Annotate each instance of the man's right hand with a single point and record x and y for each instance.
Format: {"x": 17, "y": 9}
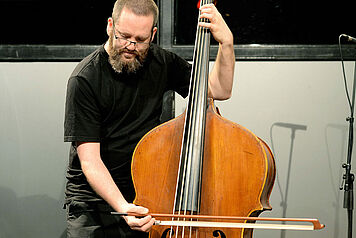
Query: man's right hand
{"x": 143, "y": 223}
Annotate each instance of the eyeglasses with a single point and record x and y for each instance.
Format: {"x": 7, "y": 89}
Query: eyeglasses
{"x": 126, "y": 42}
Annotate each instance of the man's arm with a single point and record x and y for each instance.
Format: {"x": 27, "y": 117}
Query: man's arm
{"x": 222, "y": 74}
{"x": 101, "y": 181}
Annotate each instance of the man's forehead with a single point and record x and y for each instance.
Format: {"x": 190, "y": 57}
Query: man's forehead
{"x": 128, "y": 16}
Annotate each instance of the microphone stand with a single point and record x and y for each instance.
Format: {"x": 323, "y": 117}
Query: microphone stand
{"x": 348, "y": 177}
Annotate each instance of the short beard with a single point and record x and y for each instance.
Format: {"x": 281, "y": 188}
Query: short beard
{"x": 119, "y": 65}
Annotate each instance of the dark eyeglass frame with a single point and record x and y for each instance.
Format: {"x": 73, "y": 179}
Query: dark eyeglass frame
{"x": 129, "y": 42}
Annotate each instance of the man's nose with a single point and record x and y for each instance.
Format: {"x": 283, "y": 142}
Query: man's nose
{"x": 132, "y": 45}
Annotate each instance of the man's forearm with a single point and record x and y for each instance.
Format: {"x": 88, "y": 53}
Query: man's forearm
{"x": 98, "y": 175}
{"x": 222, "y": 74}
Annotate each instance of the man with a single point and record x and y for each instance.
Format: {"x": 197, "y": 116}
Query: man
{"x": 114, "y": 97}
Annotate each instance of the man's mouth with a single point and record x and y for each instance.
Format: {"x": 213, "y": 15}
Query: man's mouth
{"x": 129, "y": 53}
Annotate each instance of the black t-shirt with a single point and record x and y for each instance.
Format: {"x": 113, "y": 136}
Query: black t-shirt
{"x": 116, "y": 110}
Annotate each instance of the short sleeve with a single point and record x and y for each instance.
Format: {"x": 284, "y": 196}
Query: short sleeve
{"x": 82, "y": 114}
{"x": 181, "y": 71}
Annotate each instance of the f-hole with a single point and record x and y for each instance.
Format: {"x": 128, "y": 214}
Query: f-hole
{"x": 167, "y": 233}
{"x": 219, "y": 233}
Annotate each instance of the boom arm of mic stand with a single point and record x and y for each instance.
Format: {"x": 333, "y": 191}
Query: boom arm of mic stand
{"x": 348, "y": 177}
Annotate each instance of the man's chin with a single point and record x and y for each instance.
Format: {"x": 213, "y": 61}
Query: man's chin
{"x": 125, "y": 65}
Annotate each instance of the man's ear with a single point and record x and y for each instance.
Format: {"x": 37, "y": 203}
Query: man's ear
{"x": 109, "y": 26}
{"x": 154, "y": 30}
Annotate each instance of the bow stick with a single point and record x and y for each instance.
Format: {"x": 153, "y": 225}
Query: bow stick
{"x": 315, "y": 222}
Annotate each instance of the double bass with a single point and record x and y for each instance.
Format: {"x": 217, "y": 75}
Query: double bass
{"x": 200, "y": 174}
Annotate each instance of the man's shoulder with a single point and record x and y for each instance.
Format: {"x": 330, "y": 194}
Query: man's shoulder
{"x": 90, "y": 64}
{"x": 162, "y": 55}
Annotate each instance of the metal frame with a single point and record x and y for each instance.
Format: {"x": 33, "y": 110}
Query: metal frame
{"x": 61, "y": 53}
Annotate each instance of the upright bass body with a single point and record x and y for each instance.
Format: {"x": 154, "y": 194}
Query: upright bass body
{"x": 237, "y": 174}
{"x": 201, "y": 163}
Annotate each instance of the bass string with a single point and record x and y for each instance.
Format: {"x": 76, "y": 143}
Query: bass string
{"x": 201, "y": 87}
{"x": 198, "y": 79}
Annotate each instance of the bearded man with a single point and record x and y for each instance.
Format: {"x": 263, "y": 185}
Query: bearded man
{"x": 114, "y": 96}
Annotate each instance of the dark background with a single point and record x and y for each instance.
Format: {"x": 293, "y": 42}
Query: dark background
{"x": 54, "y": 22}
{"x": 274, "y": 21}
{"x": 69, "y": 22}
